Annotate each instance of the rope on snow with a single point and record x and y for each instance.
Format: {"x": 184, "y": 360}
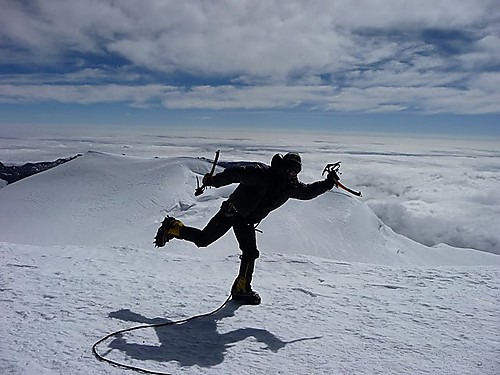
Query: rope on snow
{"x": 135, "y": 368}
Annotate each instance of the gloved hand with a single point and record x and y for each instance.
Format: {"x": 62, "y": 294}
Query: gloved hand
{"x": 208, "y": 180}
{"x": 334, "y": 177}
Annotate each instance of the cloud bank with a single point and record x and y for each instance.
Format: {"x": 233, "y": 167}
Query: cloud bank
{"x": 365, "y": 56}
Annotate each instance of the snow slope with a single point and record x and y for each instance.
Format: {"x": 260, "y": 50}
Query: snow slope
{"x": 342, "y": 293}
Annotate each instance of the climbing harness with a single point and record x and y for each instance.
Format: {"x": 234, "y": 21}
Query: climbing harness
{"x": 135, "y": 368}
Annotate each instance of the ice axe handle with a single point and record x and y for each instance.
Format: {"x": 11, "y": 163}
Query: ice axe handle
{"x": 200, "y": 189}
{"x": 342, "y": 186}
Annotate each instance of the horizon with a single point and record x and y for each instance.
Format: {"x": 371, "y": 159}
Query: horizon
{"x": 486, "y": 133}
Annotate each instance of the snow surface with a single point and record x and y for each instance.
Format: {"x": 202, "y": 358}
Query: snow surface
{"x": 342, "y": 293}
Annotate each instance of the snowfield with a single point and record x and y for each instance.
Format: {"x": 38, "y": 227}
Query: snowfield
{"x": 342, "y": 293}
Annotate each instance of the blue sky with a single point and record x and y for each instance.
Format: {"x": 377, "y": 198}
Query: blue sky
{"x": 427, "y": 66}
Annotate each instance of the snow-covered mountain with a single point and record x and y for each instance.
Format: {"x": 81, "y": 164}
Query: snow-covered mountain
{"x": 342, "y": 293}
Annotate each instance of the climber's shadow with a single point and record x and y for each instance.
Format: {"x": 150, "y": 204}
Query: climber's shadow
{"x": 196, "y": 342}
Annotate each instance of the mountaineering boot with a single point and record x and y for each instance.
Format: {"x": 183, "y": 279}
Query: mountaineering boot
{"x": 241, "y": 290}
{"x": 170, "y": 228}
{"x": 243, "y": 293}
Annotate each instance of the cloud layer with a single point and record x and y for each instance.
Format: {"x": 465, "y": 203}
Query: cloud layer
{"x": 365, "y": 56}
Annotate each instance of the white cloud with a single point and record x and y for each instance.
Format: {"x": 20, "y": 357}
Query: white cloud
{"x": 82, "y": 94}
{"x": 487, "y": 82}
{"x": 314, "y": 97}
{"x": 432, "y": 190}
{"x": 485, "y": 54}
{"x": 224, "y": 97}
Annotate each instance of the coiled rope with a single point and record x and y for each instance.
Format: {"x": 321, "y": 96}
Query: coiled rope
{"x": 135, "y": 368}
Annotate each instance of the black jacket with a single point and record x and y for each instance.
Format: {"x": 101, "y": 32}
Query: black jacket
{"x": 262, "y": 189}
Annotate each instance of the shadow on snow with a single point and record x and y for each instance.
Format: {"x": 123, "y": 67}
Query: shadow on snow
{"x": 196, "y": 342}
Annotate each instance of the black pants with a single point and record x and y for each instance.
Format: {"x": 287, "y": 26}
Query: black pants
{"x": 223, "y": 220}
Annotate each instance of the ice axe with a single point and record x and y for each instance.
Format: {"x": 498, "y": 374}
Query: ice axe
{"x": 200, "y": 189}
{"x": 335, "y": 169}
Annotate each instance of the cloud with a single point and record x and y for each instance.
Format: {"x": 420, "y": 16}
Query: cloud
{"x": 82, "y": 94}
{"x": 413, "y": 55}
{"x": 477, "y": 100}
{"x": 445, "y": 192}
{"x": 439, "y": 225}
{"x": 255, "y": 37}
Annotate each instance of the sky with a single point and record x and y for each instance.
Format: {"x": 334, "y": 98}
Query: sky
{"x": 386, "y": 65}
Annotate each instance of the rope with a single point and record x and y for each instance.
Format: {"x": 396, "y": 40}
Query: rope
{"x": 146, "y": 371}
